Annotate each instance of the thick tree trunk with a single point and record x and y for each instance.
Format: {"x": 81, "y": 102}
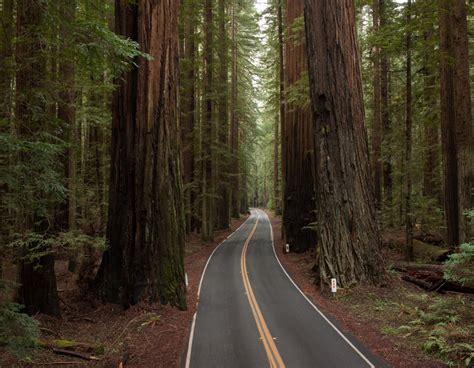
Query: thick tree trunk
{"x": 376, "y": 110}
{"x": 145, "y": 231}
{"x": 37, "y": 278}
{"x": 298, "y": 208}
{"x": 348, "y": 232}
{"x": 222, "y": 208}
{"x": 456, "y": 119}
{"x": 409, "y": 255}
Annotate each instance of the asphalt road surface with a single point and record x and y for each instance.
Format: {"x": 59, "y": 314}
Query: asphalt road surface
{"x": 251, "y": 314}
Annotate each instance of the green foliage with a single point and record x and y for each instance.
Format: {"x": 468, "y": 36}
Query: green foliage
{"x": 18, "y": 331}
{"x": 460, "y": 266}
{"x": 440, "y": 324}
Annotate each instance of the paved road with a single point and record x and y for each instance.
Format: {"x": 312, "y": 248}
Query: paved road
{"x": 251, "y": 314}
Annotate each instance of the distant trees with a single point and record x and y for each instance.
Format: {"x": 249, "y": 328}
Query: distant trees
{"x": 219, "y": 110}
{"x": 297, "y": 140}
{"x": 348, "y": 234}
{"x": 38, "y": 292}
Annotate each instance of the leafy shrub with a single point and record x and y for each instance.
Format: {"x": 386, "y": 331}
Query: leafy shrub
{"x": 18, "y": 331}
{"x": 460, "y": 266}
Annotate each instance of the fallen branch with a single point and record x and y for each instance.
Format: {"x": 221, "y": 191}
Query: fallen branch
{"x": 423, "y": 284}
{"x": 58, "y": 363}
{"x": 74, "y": 354}
{"x": 407, "y": 266}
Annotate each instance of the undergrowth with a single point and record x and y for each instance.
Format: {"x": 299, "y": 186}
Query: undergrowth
{"x": 442, "y": 326}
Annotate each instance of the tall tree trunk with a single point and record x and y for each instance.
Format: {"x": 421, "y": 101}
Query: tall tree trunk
{"x": 37, "y": 279}
{"x": 223, "y": 210}
{"x": 281, "y": 98}
{"x": 376, "y": 110}
{"x": 386, "y": 124}
{"x": 67, "y": 111}
{"x": 349, "y": 237}
{"x": 207, "y": 216}
{"x": 234, "y": 121}
{"x": 298, "y": 208}
{"x": 7, "y": 32}
{"x": 431, "y": 127}
{"x": 188, "y": 93}
{"x": 409, "y": 255}
{"x": 456, "y": 119}
{"x": 145, "y": 258}
{"x": 276, "y": 167}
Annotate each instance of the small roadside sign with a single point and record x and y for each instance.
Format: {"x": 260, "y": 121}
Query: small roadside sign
{"x": 287, "y": 248}
{"x": 333, "y": 285}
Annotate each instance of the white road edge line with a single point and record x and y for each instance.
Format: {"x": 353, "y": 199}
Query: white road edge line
{"x": 312, "y": 304}
{"x": 191, "y": 335}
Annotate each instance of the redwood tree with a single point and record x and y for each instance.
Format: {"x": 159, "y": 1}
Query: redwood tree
{"x": 456, "y": 119}
{"x": 348, "y": 234}
{"x": 146, "y": 226}
{"x": 297, "y": 146}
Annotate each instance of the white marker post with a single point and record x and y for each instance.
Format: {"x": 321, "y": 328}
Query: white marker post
{"x": 186, "y": 279}
{"x": 287, "y": 248}
{"x": 333, "y": 286}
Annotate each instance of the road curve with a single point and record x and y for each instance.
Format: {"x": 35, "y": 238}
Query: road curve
{"x": 251, "y": 314}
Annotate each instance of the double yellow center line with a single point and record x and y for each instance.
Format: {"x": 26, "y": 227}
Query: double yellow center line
{"x": 273, "y": 355}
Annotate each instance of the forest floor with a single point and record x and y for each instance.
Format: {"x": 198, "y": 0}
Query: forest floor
{"x": 142, "y": 336}
{"x": 400, "y": 323}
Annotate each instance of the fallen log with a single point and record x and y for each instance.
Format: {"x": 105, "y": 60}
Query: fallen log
{"x": 439, "y": 285}
{"x": 423, "y": 284}
{"x": 74, "y": 354}
{"x": 407, "y": 266}
{"x": 428, "y": 238}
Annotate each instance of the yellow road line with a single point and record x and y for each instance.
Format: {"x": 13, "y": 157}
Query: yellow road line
{"x": 273, "y": 355}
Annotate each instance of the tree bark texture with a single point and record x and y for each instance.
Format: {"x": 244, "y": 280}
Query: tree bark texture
{"x": 298, "y": 146}
{"x": 456, "y": 119}
{"x": 145, "y": 230}
{"x": 348, "y": 234}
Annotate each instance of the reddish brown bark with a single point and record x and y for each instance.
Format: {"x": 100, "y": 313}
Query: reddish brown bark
{"x": 146, "y": 225}
{"x": 348, "y": 235}
{"x": 456, "y": 119}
